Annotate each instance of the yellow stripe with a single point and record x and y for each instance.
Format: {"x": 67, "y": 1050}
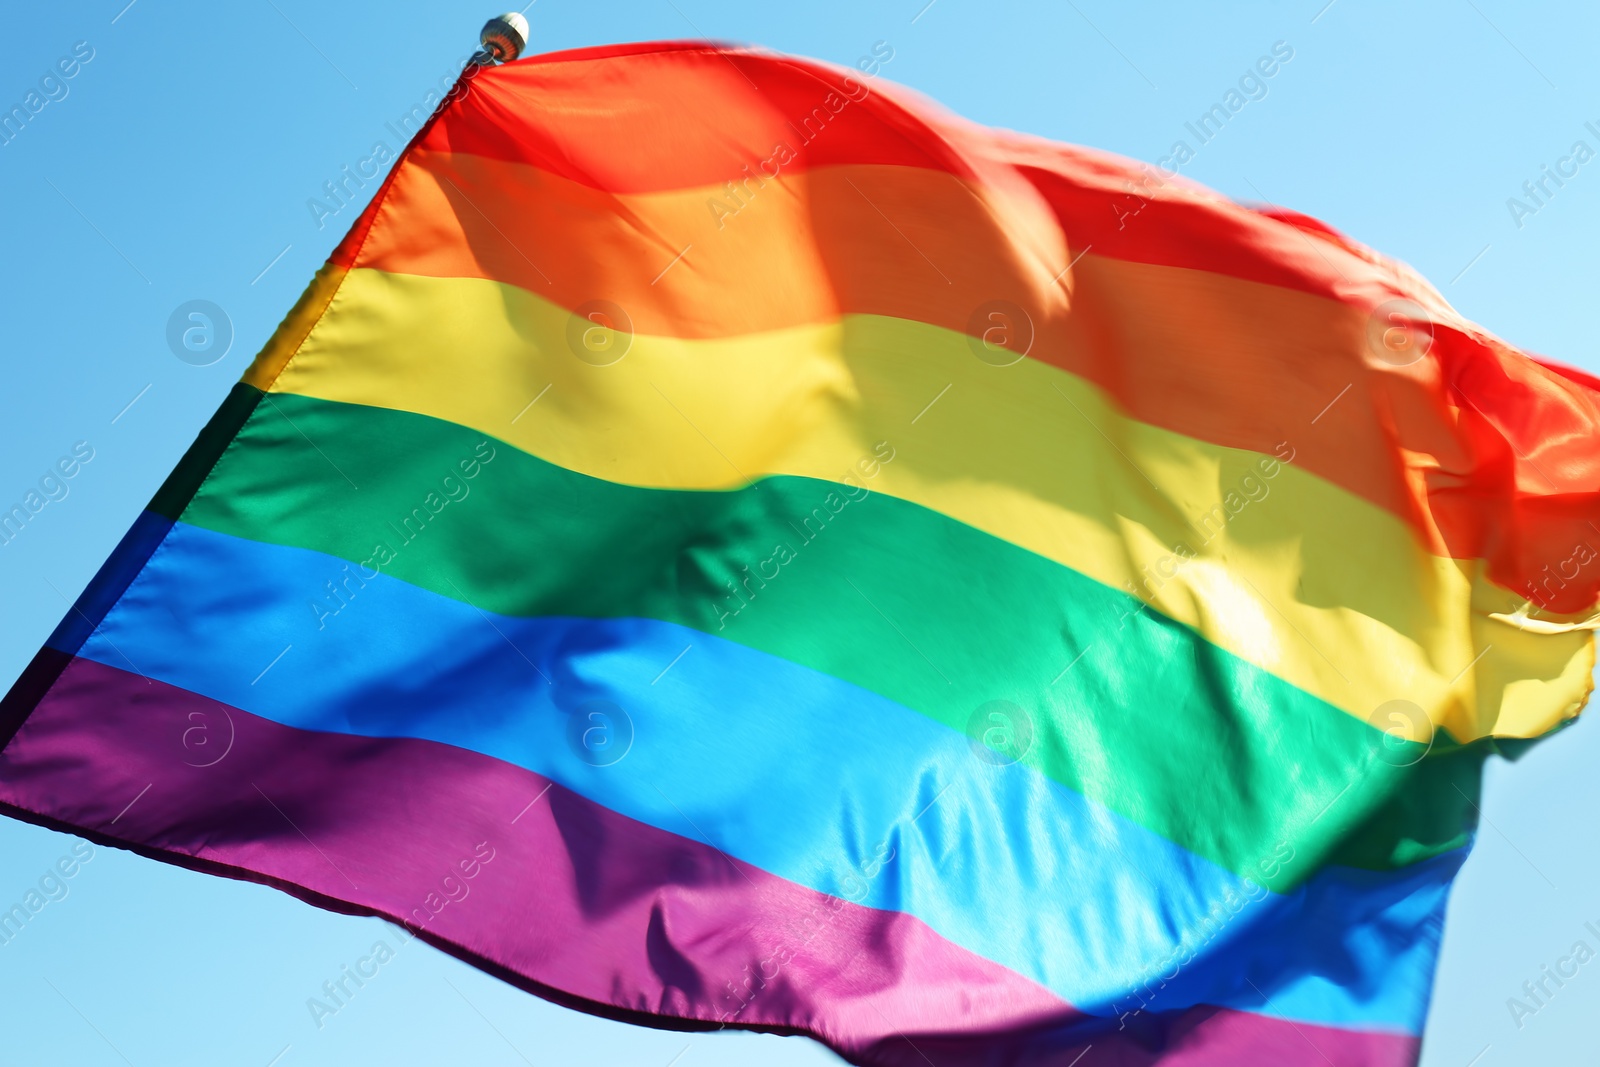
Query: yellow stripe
{"x": 1289, "y": 572}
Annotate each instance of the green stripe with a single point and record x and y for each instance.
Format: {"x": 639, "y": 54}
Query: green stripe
{"x": 1129, "y": 707}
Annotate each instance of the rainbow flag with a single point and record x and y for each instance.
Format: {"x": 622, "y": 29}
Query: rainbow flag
{"x": 723, "y": 543}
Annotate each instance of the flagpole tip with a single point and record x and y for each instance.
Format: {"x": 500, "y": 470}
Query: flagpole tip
{"x": 504, "y": 36}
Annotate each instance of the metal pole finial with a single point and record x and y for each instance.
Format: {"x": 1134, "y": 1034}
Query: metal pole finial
{"x": 503, "y": 38}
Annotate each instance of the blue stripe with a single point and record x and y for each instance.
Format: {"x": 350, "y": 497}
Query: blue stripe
{"x": 791, "y": 770}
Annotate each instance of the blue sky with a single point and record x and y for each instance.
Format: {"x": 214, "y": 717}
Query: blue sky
{"x": 176, "y": 163}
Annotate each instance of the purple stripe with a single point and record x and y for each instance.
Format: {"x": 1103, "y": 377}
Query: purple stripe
{"x": 576, "y": 896}
{"x": 575, "y": 902}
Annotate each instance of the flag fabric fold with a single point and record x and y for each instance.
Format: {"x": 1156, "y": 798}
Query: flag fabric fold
{"x": 724, "y": 543}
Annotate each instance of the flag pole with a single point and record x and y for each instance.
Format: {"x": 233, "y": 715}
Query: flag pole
{"x": 503, "y": 38}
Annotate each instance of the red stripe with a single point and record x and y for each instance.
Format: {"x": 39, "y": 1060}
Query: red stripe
{"x": 1588, "y": 381}
{"x": 606, "y": 135}
{"x": 680, "y": 115}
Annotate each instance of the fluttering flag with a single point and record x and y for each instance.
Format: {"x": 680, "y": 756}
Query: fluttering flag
{"x": 724, "y": 543}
